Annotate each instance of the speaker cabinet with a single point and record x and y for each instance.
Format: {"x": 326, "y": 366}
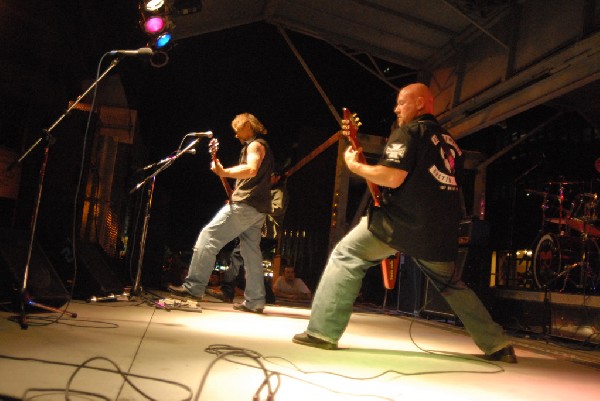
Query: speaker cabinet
{"x": 434, "y": 304}
{"x": 97, "y": 277}
{"x": 473, "y": 267}
{"x": 43, "y": 284}
{"x": 95, "y": 274}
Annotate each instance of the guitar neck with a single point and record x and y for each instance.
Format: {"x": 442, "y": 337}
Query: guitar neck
{"x": 226, "y": 186}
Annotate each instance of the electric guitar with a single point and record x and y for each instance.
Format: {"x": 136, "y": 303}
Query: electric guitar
{"x": 213, "y": 147}
{"x": 350, "y": 124}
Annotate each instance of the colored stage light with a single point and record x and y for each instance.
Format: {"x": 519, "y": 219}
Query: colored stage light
{"x": 163, "y": 40}
{"x": 154, "y": 25}
{"x": 157, "y": 25}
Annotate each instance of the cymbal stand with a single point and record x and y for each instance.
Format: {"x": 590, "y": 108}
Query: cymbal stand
{"x": 49, "y": 139}
{"x": 136, "y": 291}
{"x": 561, "y": 217}
{"x": 585, "y": 272}
{"x": 581, "y": 206}
{"x": 547, "y": 310}
{"x": 547, "y": 302}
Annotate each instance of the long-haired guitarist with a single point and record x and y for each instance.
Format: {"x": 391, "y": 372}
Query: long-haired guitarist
{"x": 418, "y": 215}
{"x": 243, "y": 216}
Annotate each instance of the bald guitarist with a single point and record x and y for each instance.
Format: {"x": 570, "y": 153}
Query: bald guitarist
{"x": 420, "y": 171}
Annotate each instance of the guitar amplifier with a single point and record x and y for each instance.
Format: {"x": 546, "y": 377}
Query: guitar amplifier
{"x": 473, "y": 232}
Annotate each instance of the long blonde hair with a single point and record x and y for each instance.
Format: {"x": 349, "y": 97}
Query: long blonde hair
{"x": 241, "y": 119}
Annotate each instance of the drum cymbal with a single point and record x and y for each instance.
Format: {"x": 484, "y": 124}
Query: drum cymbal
{"x": 535, "y": 192}
{"x": 584, "y": 227}
{"x": 565, "y": 182}
{"x": 557, "y": 220}
{"x": 540, "y": 193}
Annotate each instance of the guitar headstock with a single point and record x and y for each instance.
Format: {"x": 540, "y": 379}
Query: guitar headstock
{"x": 213, "y": 147}
{"x": 350, "y": 123}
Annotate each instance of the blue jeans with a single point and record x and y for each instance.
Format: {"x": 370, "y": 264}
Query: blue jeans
{"x": 232, "y": 276}
{"x": 233, "y": 220}
{"x": 342, "y": 279}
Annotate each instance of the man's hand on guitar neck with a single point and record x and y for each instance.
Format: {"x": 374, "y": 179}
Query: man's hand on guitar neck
{"x": 217, "y": 168}
{"x": 352, "y": 158}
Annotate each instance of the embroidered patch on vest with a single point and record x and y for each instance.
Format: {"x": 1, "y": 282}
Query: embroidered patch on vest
{"x": 395, "y": 152}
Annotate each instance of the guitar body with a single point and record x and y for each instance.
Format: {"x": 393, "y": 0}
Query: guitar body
{"x": 350, "y": 124}
{"x": 389, "y": 270}
{"x": 213, "y": 147}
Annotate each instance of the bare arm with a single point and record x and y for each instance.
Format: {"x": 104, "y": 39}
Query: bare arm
{"x": 254, "y": 157}
{"x": 377, "y": 174}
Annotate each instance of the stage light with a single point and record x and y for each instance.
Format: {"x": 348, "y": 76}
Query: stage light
{"x": 154, "y": 25}
{"x": 153, "y": 5}
{"x": 157, "y": 25}
{"x": 163, "y": 40}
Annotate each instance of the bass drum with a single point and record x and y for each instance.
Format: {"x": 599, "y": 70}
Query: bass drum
{"x": 563, "y": 262}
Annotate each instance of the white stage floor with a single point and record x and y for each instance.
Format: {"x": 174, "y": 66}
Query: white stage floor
{"x": 163, "y": 355}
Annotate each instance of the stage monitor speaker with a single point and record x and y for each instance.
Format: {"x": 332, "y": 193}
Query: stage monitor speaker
{"x": 433, "y": 302}
{"x": 43, "y": 284}
{"x": 473, "y": 264}
{"x": 95, "y": 275}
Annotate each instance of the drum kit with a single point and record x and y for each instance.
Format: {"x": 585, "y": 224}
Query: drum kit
{"x": 566, "y": 253}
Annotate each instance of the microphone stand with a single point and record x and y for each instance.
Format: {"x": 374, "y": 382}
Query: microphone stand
{"x": 164, "y": 164}
{"x": 548, "y": 324}
{"x": 25, "y": 299}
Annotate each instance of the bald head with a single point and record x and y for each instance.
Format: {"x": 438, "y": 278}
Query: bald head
{"x": 413, "y": 100}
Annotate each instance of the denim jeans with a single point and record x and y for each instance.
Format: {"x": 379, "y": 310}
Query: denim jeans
{"x": 233, "y": 220}
{"x": 342, "y": 279}
{"x": 232, "y": 277}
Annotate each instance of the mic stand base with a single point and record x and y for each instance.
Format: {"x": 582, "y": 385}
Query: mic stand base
{"x": 154, "y": 300}
{"x": 26, "y": 301}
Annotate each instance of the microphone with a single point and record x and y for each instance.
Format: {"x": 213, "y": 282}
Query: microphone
{"x": 208, "y": 134}
{"x": 144, "y": 51}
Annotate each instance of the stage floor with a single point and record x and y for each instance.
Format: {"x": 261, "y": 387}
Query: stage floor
{"x": 130, "y": 350}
